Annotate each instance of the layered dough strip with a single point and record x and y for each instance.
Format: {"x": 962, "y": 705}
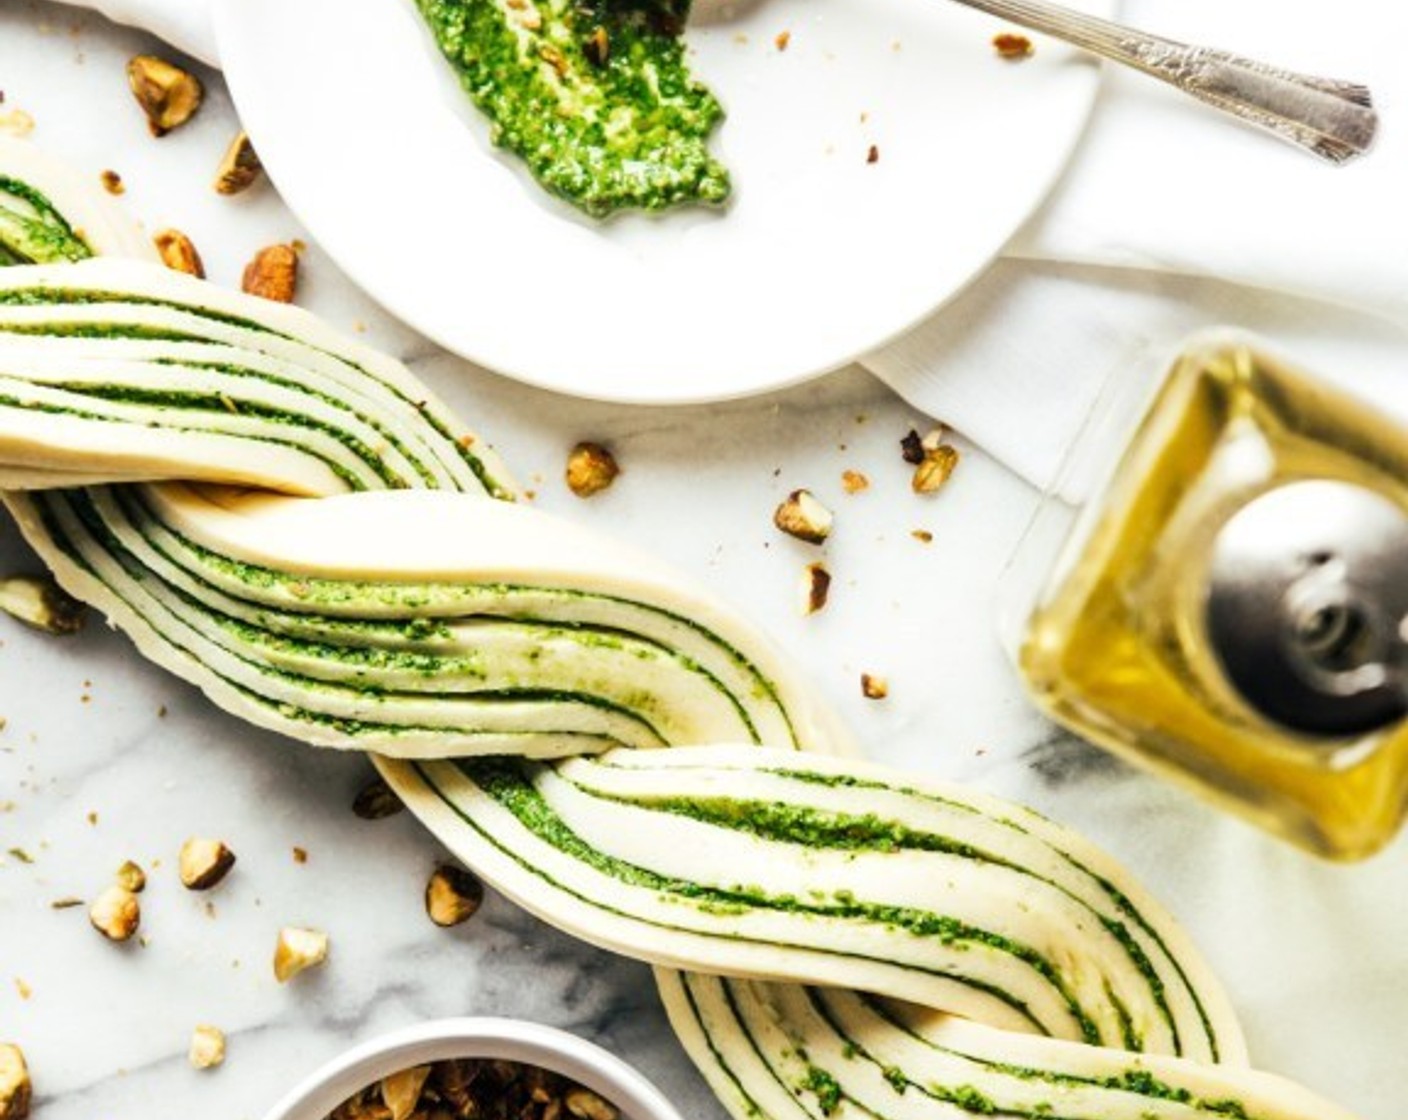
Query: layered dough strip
{"x": 471, "y": 636}
{"x": 787, "y": 1052}
{"x": 762, "y": 862}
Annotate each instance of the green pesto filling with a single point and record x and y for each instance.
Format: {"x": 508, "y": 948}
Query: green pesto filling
{"x": 594, "y": 95}
{"x": 45, "y": 296}
{"x": 510, "y": 784}
{"x": 32, "y": 231}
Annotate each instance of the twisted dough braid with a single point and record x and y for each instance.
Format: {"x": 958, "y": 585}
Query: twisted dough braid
{"x": 293, "y": 524}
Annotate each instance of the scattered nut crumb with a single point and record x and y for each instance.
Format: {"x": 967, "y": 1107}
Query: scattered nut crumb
{"x": 816, "y": 586}
{"x": 131, "y": 877}
{"x": 853, "y": 482}
{"x": 376, "y": 801}
{"x": 872, "y": 154}
{"x": 912, "y": 448}
{"x": 1012, "y": 46}
{"x": 239, "y": 167}
{"x": 401, "y": 1091}
{"x": 934, "y": 471}
{"x": 207, "y": 1047}
{"x": 16, "y": 122}
{"x": 178, "y": 253}
{"x": 923, "y": 536}
{"x": 116, "y": 914}
{"x": 167, "y": 94}
{"x": 273, "y": 274}
{"x": 204, "y": 863}
{"x": 453, "y": 895}
{"x": 591, "y": 468}
{"x": 782, "y": 40}
{"x": 298, "y": 949}
{"x": 68, "y": 902}
{"x": 802, "y": 516}
{"x": 112, "y": 182}
{"x": 20, "y": 854}
{"x": 23, "y": 990}
{"x": 15, "y": 1087}
{"x": 873, "y": 687}
{"x": 41, "y": 603}
{"x": 300, "y": 855}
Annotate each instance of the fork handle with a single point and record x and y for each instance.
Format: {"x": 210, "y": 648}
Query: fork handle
{"x": 1334, "y": 120}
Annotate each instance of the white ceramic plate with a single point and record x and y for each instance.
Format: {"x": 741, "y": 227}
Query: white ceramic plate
{"x": 821, "y": 256}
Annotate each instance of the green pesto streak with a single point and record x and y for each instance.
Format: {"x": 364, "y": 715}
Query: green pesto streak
{"x": 593, "y": 94}
{"x": 32, "y": 231}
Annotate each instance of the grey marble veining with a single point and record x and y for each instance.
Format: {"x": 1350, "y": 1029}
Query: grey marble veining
{"x": 1312, "y": 954}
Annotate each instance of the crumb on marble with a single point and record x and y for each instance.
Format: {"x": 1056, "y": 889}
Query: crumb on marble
{"x": 112, "y": 182}
{"x": 453, "y": 895}
{"x": 204, "y": 863}
{"x": 873, "y": 687}
{"x": 15, "y": 1086}
{"x": 207, "y": 1049}
{"x": 298, "y": 950}
{"x": 1012, "y": 46}
{"x": 167, "y": 94}
{"x": 116, "y": 914}
{"x": 815, "y": 588}
{"x": 591, "y": 468}
{"x": 853, "y": 482}
{"x": 802, "y": 515}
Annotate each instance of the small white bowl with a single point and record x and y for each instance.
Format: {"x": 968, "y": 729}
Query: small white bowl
{"x": 507, "y": 1039}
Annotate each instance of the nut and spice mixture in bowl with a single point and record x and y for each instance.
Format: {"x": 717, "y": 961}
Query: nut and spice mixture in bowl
{"x": 476, "y": 1069}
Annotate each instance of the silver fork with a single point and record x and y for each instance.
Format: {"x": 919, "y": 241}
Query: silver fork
{"x": 1335, "y": 120}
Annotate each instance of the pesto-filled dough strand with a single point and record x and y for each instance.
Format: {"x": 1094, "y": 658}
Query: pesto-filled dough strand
{"x": 204, "y": 468}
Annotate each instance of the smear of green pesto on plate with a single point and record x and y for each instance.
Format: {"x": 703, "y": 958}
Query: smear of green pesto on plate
{"x": 594, "y": 95}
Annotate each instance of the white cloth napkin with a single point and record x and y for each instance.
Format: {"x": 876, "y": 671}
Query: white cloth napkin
{"x": 1170, "y": 218}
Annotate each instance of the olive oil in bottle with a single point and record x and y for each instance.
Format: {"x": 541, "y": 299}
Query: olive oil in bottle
{"x": 1231, "y": 608}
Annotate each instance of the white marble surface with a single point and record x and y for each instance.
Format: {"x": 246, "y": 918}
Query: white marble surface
{"x": 91, "y": 773}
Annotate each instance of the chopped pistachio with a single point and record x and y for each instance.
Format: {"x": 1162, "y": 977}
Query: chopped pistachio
{"x": 591, "y": 468}
{"x": 168, "y": 95}
{"x": 15, "y": 1087}
{"x": 803, "y": 517}
{"x": 132, "y": 877}
{"x": 178, "y": 253}
{"x": 272, "y": 274}
{"x": 375, "y": 801}
{"x": 204, "y": 863}
{"x": 934, "y": 471}
{"x": 912, "y": 448}
{"x": 207, "y": 1047}
{"x": 1012, "y": 46}
{"x": 402, "y": 1090}
{"x": 586, "y": 1105}
{"x": 40, "y": 602}
{"x": 116, "y": 914}
{"x": 239, "y": 167}
{"x": 297, "y": 950}
{"x": 816, "y": 587}
{"x": 873, "y": 687}
{"x": 453, "y": 895}
{"x": 934, "y": 439}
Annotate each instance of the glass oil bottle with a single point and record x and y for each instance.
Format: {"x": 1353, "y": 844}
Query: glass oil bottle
{"x": 1231, "y": 606}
